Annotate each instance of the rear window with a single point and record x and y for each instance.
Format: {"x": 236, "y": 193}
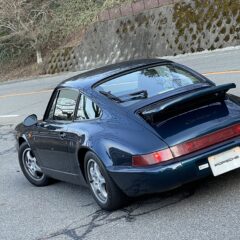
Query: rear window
{"x": 147, "y": 83}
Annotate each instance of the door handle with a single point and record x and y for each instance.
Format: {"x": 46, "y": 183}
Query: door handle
{"x": 46, "y": 126}
{"x": 62, "y": 134}
{"x": 43, "y": 125}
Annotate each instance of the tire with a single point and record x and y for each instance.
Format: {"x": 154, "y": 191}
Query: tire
{"x": 38, "y": 178}
{"x": 115, "y": 198}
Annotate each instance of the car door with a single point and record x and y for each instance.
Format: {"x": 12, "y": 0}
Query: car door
{"x": 52, "y": 138}
{"x": 86, "y": 123}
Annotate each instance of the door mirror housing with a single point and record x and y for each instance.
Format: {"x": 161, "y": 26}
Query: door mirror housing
{"x": 30, "y": 120}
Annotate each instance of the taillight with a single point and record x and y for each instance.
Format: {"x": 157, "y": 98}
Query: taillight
{"x": 206, "y": 141}
{"x": 152, "y": 158}
{"x": 186, "y": 147}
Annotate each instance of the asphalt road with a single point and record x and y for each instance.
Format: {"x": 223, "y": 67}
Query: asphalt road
{"x": 209, "y": 209}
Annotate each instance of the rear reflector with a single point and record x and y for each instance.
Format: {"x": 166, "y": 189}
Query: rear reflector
{"x": 206, "y": 141}
{"x": 186, "y": 147}
{"x": 152, "y": 158}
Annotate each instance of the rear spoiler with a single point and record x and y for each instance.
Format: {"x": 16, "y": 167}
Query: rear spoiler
{"x": 169, "y": 108}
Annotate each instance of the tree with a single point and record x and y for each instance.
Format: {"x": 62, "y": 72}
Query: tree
{"x": 22, "y": 24}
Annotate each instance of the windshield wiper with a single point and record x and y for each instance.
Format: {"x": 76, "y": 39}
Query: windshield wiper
{"x": 128, "y": 97}
{"x": 135, "y": 96}
{"x": 111, "y": 96}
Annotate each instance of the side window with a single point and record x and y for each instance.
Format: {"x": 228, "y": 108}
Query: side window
{"x": 63, "y": 106}
{"x": 87, "y": 109}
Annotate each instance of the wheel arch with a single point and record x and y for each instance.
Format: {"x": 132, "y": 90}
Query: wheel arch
{"x": 100, "y": 149}
{"x": 22, "y": 139}
{"x": 81, "y": 153}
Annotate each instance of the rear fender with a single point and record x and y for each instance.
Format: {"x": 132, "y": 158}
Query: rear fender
{"x": 113, "y": 153}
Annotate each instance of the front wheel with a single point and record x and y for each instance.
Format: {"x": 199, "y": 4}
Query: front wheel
{"x": 104, "y": 190}
{"x": 30, "y": 168}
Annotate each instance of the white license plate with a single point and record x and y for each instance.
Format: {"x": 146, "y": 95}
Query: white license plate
{"x": 225, "y": 161}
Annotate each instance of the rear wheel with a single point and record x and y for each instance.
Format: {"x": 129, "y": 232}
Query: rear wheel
{"x": 104, "y": 190}
{"x": 30, "y": 168}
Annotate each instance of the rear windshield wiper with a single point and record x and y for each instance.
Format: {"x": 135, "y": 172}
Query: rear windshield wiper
{"x": 135, "y": 96}
{"x": 128, "y": 97}
{"x": 111, "y": 96}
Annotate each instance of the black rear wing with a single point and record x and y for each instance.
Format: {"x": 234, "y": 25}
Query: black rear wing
{"x": 163, "y": 110}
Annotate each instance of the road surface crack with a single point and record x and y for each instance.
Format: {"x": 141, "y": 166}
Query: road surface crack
{"x": 129, "y": 214}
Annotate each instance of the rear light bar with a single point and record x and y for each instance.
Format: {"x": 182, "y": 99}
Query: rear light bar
{"x": 186, "y": 147}
{"x": 206, "y": 141}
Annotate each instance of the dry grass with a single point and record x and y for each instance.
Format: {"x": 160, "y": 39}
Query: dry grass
{"x": 70, "y": 19}
{"x": 12, "y": 72}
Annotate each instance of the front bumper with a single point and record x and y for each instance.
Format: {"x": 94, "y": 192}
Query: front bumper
{"x": 167, "y": 176}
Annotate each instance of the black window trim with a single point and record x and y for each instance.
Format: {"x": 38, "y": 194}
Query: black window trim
{"x": 50, "y": 103}
{"x": 77, "y": 106}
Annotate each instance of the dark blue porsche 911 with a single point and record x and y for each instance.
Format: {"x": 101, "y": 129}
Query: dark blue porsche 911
{"x": 132, "y": 128}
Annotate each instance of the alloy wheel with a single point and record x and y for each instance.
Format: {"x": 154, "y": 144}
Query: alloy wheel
{"x": 31, "y": 166}
{"x": 97, "y": 181}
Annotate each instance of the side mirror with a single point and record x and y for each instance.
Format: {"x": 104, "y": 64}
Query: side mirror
{"x": 30, "y": 120}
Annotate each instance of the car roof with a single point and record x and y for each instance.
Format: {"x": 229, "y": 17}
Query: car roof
{"x": 89, "y": 78}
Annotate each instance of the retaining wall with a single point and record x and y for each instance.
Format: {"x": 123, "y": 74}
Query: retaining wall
{"x": 152, "y": 28}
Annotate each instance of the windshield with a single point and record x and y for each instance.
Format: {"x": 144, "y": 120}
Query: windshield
{"x": 147, "y": 83}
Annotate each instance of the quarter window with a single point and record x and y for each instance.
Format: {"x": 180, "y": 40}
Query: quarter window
{"x": 63, "y": 107}
{"x": 87, "y": 109}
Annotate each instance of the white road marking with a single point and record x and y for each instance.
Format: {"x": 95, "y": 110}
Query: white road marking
{"x": 9, "y": 116}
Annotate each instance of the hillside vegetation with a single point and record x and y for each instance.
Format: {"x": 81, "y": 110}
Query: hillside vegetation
{"x": 31, "y": 29}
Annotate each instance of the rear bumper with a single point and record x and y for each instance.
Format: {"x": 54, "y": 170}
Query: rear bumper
{"x": 164, "y": 177}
